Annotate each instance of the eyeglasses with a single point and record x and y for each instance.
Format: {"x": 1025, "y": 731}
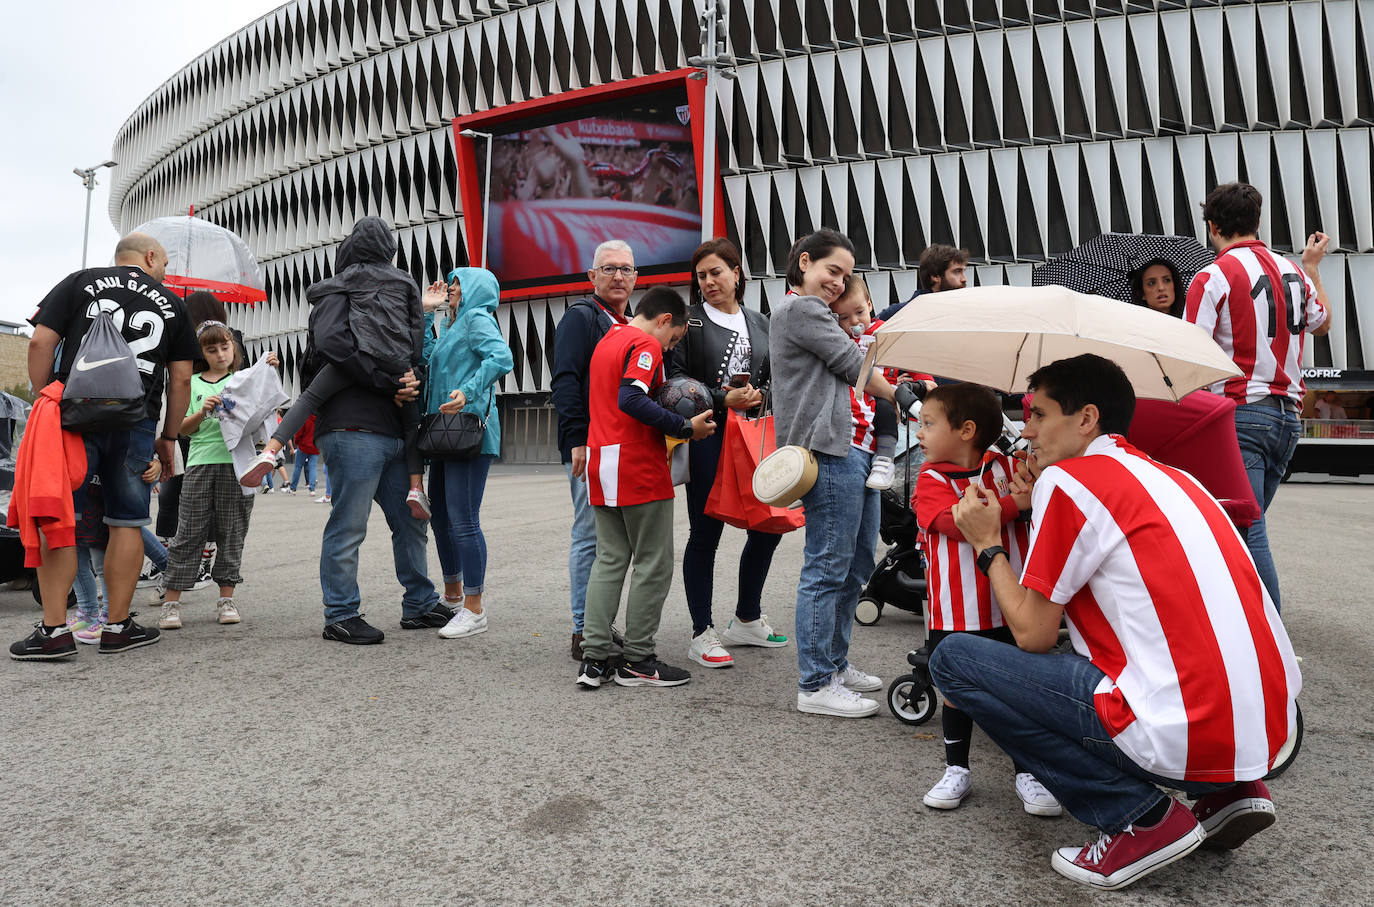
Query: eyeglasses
{"x": 612, "y": 270}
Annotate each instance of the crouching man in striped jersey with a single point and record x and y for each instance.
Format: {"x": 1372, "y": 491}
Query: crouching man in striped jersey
{"x": 1183, "y": 675}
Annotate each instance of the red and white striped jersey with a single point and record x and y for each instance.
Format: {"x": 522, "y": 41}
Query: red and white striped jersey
{"x": 861, "y": 406}
{"x": 1161, "y": 595}
{"x": 960, "y": 596}
{"x": 1257, "y": 306}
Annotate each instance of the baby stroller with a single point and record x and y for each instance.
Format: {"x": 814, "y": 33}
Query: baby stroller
{"x": 899, "y": 579}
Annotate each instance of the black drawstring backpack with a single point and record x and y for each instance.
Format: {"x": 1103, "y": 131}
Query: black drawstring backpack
{"x": 104, "y": 391}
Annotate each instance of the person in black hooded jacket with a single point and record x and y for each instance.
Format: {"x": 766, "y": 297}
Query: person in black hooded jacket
{"x": 360, "y": 431}
{"x": 386, "y": 328}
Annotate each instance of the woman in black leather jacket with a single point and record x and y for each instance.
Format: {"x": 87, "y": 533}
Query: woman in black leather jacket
{"x": 726, "y": 348}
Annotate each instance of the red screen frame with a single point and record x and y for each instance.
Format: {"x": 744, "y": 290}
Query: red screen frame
{"x": 470, "y": 177}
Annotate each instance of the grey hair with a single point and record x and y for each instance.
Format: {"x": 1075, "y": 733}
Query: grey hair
{"x": 611, "y": 245}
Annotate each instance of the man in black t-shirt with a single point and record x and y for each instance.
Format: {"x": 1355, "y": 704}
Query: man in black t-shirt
{"x": 154, "y": 324}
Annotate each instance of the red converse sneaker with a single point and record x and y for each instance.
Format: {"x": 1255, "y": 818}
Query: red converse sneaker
{"x": 1115, "y": 861}
{"x": 1231, "y": 816}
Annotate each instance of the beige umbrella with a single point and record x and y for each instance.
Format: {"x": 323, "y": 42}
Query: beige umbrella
{"x": 997, "y": 336}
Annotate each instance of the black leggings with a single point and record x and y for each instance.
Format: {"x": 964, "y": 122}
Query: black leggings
{"x": 885, "y": 427}
{"x": 327, "y": 382}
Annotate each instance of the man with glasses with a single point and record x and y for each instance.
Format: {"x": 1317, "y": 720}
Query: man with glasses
{"x": 583, "y": 325}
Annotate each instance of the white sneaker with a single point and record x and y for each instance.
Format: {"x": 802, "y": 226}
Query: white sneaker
{"x": 707, "y": 651}
{"x": 1036, "y": 800}
{"x": 752, "y": 633}
{"x": 463, "y": 624}
{"x": 322, "y": 499}
{"x": 418, "y": 502}
{"x": 226, "y": 612}
{"x": 858, "y": 681}
{"x": 950, "y": 790}
{"x": 258, "y": 469}
{"x": 882, "y": 474}
{"x": 835, "y": 699}
{"x": 170, "y": 618}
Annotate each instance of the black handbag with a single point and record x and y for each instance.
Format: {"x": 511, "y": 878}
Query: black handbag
{"x": 453, "y": 436}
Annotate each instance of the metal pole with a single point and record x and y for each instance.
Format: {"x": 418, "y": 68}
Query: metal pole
{"x": 486, "y": 198}
{"x": 89, "y": 179}
{"x": 87, "y": 175}
{"x": 708, "y": 169}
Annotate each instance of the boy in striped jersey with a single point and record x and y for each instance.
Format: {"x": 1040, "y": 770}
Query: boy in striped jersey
{"x": 959, "y": 422}
{"x": 1183, "y": 675}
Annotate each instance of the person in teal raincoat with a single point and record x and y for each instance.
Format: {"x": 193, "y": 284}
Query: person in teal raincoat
{"x": 466, "y": 356}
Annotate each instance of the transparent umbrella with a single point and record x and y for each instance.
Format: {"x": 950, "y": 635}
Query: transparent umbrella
{"x": 997, "y": 336}
{"x": 206, "y": 256}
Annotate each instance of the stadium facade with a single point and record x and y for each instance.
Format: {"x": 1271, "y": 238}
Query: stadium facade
{"x": 1014, "y": 128}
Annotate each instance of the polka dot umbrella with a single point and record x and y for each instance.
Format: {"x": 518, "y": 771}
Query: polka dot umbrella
{"x": 1103, "y": 265}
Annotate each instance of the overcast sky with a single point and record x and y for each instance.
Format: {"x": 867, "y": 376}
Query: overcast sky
{"x": 71, "y": 73}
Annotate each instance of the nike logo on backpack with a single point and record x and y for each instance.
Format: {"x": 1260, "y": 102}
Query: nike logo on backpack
{"x": 83, "y": 366}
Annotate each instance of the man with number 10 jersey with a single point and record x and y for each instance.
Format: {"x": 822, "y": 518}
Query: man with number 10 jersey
{"x": 1257, "y": 306}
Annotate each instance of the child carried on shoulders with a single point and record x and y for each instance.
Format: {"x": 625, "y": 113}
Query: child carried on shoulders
{"x": 386, "y": 321}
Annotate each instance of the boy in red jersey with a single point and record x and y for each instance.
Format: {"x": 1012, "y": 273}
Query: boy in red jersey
{"x": 631, "y": 491}
{"x": 1183, "y": 675}
{"x": 959, "y": 422}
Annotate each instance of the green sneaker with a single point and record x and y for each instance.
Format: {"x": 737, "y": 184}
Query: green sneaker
{"x": 753, "y": 633}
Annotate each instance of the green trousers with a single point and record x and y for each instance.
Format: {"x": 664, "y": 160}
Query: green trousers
{"x": 642, "y": 533}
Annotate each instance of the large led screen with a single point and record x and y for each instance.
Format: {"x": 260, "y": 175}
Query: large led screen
{"x": 569, "y": 179}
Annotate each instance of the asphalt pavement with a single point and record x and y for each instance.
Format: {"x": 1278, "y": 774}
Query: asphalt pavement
{"x": 260, "y": 764}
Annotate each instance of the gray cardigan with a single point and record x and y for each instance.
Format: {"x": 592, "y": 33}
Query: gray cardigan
{"x": 814, "y": 365}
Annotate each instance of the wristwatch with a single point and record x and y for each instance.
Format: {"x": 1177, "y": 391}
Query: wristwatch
{"x": 173, "y": 438}
{"x": 986, "y": 557}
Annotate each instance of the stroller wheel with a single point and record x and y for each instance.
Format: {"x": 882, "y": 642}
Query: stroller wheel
{"x": 911, "y": 701}
{"x": 867, "y": 612}
{"x": 1289, "y": 752}
{"x": 38, "y": 596}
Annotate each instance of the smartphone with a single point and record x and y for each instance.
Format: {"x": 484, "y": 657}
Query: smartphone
{"x": 739, "y": 379}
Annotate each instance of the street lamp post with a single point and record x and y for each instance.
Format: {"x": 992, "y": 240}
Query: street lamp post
{"x": 88, "y": 180}
{"x": 486, "y": 186}
{"x": 718, "y": 64}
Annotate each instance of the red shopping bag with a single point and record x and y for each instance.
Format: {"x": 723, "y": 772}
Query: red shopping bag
{"x": 746, "y": 442}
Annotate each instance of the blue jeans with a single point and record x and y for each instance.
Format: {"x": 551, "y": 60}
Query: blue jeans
{"x": 120, "y": 458}
{"x": 582, "y": 549}
{"x": 841, "y": 532}
{"x": 1267, "y": 439}
{"x": 370, "y": 467}
{"x": 306, "y": 462}
{"x": 456, "y": 489}
{"x": 154, "y": 550}
{"x": 90, "y": 576}
{"x": 1039, "y": 710}
{"x": 699, "y": 555}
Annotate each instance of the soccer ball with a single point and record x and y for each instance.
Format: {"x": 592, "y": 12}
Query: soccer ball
{"x": 685, "y": 396}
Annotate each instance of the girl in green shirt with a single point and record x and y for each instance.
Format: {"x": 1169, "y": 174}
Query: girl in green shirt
{"x": 211, "y": 496}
